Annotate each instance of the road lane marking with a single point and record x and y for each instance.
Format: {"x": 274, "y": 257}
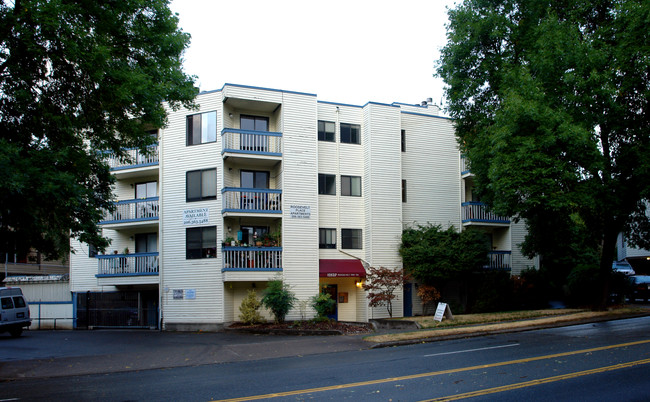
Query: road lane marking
{"x": 473, "y": 350}
{"x": 538, "y": 381}
{"x": 431, "y": 374}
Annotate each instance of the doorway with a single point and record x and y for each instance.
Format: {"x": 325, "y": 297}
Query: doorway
{"x": 332, "y": 290}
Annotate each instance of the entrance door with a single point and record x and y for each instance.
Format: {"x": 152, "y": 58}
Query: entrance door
{"x": 332, "y": 290}
{"x": 408, "y": 300}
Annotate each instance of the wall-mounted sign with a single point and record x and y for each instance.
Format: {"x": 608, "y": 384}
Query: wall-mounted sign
{"x": 196, "y": 216}
{"x": 300, "y": 211}
{"x": 178, "y": 294}
{"x": 190, "y": 294}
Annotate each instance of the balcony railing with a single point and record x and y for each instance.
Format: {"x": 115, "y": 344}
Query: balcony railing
{"x": 252, "y": 200}
{"x": 145, "y": 209}
{"x": 464, "y": 165}
{"x": 138, "y": 159}
{"x": 251, "y": 142}
{"x": 252, "y": 258}
{"x": 477, "y": 212}
{"x": 499, "y": 260}
{"x": 127, "y": 264}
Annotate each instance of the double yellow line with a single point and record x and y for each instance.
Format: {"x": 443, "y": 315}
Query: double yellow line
{"x": 471, "y": 368}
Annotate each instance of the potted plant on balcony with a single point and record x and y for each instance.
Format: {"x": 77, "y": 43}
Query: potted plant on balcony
{"x": 267, "y": 239}
{"x": 230, "y": 241}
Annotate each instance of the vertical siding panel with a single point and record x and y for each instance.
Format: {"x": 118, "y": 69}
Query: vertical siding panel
{"x": 300, "y": 187}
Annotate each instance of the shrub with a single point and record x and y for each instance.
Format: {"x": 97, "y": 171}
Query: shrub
{"x": 279, "y": 299}
{"x": 429, "y": 296}
{"x": 584, "y": 286}
{"x": 249, "y": 309}
{"x": 323, "y": 304}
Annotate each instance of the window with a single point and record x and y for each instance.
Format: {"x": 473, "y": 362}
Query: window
{"x": 7, "y": 303}
{"x": 326, "y": 131}
{"x": 351, "y": 238}
{"x": 201, "y": 128}
{"x": 201, "y": 242}
{"x": 254, "y": 179}
{"x": 326, "y": 238}
{"x": 351, "y": 185}
{"x": 92, "y": 251}
{"x": 146, "y": 190}
{"x": 254, "y": 142}
{"x": 326, "y": 184}
{"x": 254, "y": 123}
{"x": 350, "y": 133}
{"x": 146, "y": 242}
{"x": 201, "y": 185}
{"x": 403, "y": 190}
{"x": 403, "y": 140}
{"x": 249, "y": 233}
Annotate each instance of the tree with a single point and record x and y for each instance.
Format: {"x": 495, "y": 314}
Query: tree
{"x": 279, "y": 299}
{"x": 381, "y": 284}
{"x": 433, "y": 255}
{"x": 78, "y": 78}
{"x": 550, "y": 101}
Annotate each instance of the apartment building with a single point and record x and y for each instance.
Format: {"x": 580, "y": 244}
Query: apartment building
{"x": 262, "y": 183}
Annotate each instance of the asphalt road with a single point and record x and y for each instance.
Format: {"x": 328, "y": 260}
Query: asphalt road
{"x": 603, "y": 361}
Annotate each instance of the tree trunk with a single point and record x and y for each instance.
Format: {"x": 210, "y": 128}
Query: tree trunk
{"x": 606, "y": 259}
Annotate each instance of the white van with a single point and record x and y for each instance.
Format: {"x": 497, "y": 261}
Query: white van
{"x": 14, "y": 311}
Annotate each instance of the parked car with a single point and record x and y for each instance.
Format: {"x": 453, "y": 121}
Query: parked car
{"x": 623, "y": 267}
{"x": 641, "y": 288}
{"x": 14, "y": 311}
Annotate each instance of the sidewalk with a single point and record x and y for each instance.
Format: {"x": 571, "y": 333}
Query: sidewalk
{"x": 40, "y": 354}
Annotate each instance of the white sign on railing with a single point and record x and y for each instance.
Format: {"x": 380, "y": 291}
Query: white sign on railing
{"x": 300, "y": 211}
{"x": 196, "y": 216}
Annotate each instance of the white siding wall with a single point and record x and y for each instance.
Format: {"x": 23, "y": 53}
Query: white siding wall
{"x": 177, "y": 272}
{"x": 517, "y": 260}
{"x": 382, "y": 188}
{"x": 431, "y": 168}
{"x": 300, "y": 187}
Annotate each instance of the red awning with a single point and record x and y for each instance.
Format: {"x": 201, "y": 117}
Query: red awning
{"x": 341, "y": 268}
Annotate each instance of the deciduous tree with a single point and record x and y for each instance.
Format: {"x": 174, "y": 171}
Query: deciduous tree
{"x": 550, "y": 101}
{"x": 381, "y": 284}
{"x": 78, "y": 78}
{"x": 433, "y": 255}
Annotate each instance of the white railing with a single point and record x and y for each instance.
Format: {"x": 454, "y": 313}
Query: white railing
{"x": 137, "y": 159}
{"x": 477, "y": 212}
{"x": 252, "y": 258}
{"x": 252, "y": 200}
{"x": 464, "y": 166}
{"x": 133, "y": 210}
{"x": 499, "y": 260}
{"x": 251, "y": 142}
{"x": 128, "y": 264}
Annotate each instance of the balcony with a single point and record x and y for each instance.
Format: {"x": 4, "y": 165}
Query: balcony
{"x": 139, "y": 163}
{"x": 251, "y": 263}
{"x": 499, "y": 260}
{"x": 127, "y": 269}
{"x": 464, "y": 167}
{"x": 141, "y": 212}
{"x": 262, "y": 145}
{"x": 475, "y": 213}
{"x": 253, "y": 201}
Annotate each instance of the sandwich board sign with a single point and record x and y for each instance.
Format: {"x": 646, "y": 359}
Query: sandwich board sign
{"x": 443, "y": 310}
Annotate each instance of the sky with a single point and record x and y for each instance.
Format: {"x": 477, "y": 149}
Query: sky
{"x": 352, "y": 51}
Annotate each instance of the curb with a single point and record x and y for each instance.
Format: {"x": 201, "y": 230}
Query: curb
{"x": 532, "y": 327}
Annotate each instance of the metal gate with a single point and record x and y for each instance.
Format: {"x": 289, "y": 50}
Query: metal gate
{"x": 124, "y": 309}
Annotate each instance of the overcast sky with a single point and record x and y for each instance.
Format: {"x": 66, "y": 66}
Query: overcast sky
{"x": 350, "y": 51}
